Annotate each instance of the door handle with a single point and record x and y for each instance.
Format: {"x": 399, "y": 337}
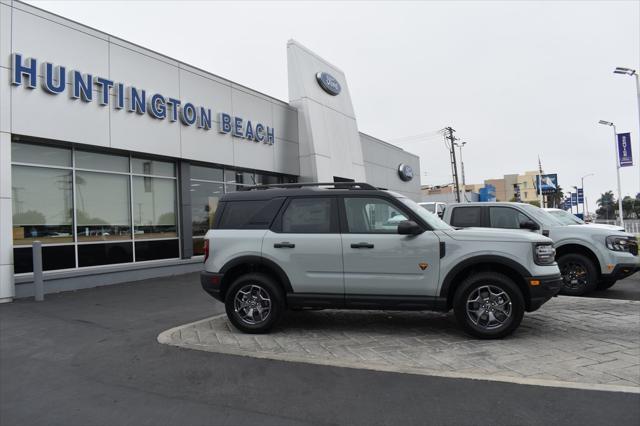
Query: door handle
{"x": 362, "y": 245}
{"x": 284, "y": 244}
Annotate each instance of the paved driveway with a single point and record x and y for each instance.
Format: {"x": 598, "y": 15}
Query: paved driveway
{"x": 573, "y": 342}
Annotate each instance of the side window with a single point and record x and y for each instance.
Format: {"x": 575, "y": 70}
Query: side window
{"x": 310, "y": 216}
{"x": 257, "y": 214}
{"x": 466, "y": 216}
{"x": 372, "y": 215}
{"x": 506, "y": 217}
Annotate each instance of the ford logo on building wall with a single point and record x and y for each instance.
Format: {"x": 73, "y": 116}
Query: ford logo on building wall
{"x": 405, "y": 172}
{"x": 328, "y": 83}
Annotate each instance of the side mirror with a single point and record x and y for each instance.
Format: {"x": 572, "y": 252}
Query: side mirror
{"x": 529, "y": 224}
{"x": 409, "y": 227}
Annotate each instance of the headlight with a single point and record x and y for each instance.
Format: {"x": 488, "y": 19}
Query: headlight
{"x": 628, "y": 244}
{"x": 544, "y": 254}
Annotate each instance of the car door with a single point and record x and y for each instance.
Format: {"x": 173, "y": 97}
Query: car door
{"x": 305, "y": 242}
{"x": 378, "y": 260}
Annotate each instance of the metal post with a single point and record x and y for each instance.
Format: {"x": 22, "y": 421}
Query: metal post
{"x": 615, "y": 146}
{"x": 637, "y": 136}
{"x": 38, "y": 281}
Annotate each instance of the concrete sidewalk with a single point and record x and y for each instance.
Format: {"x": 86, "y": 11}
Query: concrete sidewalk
{"x": 570, "y": 341}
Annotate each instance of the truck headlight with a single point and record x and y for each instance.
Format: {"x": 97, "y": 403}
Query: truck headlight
{"x": 619, "y": 243}
{"x": 544, "y": 254}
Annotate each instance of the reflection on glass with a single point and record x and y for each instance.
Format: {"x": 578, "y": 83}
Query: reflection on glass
{"x": 99, "y": 161}
{"x": 102, "y": 204}
{"x": 239, "y": 178}
{"x": 198, "y": 246}
{"x": 40, "y": 154}
{"x": 154, "y": 207}
{"x": 145, "y": 166}
{"x": 267, "y": 179}
{"x": 206, "y": 173}
{"x": 42, "y": 205}
{"x": 204, "y": 202}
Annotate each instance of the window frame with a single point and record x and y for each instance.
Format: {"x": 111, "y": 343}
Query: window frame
{"x": 344, "y": 224}
{"x": 484, "y": 219}
{"x": 505, "y": 207}
{"x": 334, "y": 226}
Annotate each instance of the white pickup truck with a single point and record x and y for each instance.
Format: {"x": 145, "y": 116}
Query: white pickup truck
{"x": 590, "y": 257}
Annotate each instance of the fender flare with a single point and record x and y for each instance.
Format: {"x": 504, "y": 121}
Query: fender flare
{"x": 479, "y": 260}
{"x": 259, "y": 260}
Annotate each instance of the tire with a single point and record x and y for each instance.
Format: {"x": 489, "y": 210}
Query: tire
{"x": 578, "y": 273}
{"x": 482, "y": 326}
{"x": 605, "y": 285}
{"x": 262, "y": 294}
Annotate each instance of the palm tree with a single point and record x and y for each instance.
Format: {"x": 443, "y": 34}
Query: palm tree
{"x": 607, "y": 204}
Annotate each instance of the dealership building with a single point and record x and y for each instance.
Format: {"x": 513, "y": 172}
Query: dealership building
{"x": 115, "y": 156}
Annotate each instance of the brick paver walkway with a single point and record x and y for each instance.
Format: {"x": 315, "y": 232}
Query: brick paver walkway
{"x": 578, "y": 340}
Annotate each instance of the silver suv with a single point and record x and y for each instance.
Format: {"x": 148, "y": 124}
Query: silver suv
{"x": 352, "y": 246}
{"x": 590, "y": 256}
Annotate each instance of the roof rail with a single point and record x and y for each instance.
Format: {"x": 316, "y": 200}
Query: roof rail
{"x": 335, "y": 185}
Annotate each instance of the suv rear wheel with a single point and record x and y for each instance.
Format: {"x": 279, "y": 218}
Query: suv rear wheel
{"x": 254, "y": 303}
{"x": 578, "y": 273}
{"x": 488, "y": 305}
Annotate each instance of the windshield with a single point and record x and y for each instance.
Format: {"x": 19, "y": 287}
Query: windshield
{"x": 432, "y": 220}
{"x": 542, "y": 216}
{"x": 565, "y": 217}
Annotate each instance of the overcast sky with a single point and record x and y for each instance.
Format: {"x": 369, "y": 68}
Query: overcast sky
{"x": 515, "y": 79}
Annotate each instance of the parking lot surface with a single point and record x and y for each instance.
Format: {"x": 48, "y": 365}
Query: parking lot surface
{"x": 575, "y": 342}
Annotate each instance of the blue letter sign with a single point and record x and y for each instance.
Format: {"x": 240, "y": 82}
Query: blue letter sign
{"x": 624, "y": 150}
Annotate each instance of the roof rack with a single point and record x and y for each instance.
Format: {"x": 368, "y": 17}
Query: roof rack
{"x": 335, "y": 185}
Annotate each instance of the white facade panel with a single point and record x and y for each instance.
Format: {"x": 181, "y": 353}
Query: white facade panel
{"x": 5, "y": 165}
{"x": 35, "y": 112}
{"x": 5, "y": 101}
{"x": 253, "y": 155}
{"x": 48, "y": 41}
{"x": 251, "y": 107}
{"x": 5, "y": 36}
{"x": 209, "y": 146}
{"x": 205, "y": 92}
{"x": 285, "y": 121}
{"x": 286, "y": 157}
{"x": 144, "y": 72}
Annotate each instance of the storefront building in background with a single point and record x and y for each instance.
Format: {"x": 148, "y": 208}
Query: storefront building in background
{"x": 115, "y": 157}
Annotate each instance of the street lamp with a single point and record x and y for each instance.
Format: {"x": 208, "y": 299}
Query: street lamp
{"x": 460, "y": 145}
{"x": 615, "y": 145}
{"x": 631, "y": 73}
{"x": 585, "y": 205}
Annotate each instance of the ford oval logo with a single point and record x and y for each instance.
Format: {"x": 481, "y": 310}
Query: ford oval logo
{"x": 328, "y": 83}
{"x": 405, "y": 172}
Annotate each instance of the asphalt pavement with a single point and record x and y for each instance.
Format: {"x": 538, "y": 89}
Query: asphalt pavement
{"x": 627, "y": 289}
{"x": 91, "y": 358}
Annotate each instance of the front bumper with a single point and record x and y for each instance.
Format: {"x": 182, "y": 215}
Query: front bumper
{"x": 547, "y": 286}
{"x": 211, "y": 283}
{"x": 621, "y": 270}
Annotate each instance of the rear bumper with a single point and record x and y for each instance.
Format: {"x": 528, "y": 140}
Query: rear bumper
{"x": 547, "y": 286}
{"x": 211, "y": 284}
{"x": 621, "y": 270}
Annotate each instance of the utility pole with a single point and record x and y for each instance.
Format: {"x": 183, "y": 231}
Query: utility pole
{"x": 454, "y": 165}
{"x": 540, "y": 182}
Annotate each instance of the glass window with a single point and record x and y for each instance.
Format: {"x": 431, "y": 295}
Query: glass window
{"x": 40, "y": 154}
{"x": 154, "y": 250}
{"x": 143, "y": 166}
{"x": 207, "y": 173}
{"x": 466, "y": 217}
{"x": 103, "y": 206}
{"x": 372, "y": 215}
{"x": 98, "y": 161}
{"x": 239, "y": 214}
{"x": 506, "y": 217}
{"x": 204, "y": 203}
{"x": 309, "y": 216}
{"x": 239, "y": 178}
{"x": 53, "y": 257}
{"x": 267, "y": 179}
{"x": 104, "y": 254}
{"x": 42, "y": 205}
{"x": 154, "y": 207}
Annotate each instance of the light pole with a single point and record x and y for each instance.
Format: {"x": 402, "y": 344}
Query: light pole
{"x": 585, "y": 205}
{"x": 632, "y": 73}
{"x": 615, "y": 146}
{"x": 464, "y": 189}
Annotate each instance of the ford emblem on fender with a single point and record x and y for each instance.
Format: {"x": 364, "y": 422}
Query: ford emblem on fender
{"x": 328, "y": 83}
{"x": 405, "y": 172}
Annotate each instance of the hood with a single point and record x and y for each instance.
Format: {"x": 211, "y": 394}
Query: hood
{"x": 587, "y": 230}
{"x": 496, "y": 234}
{"x": 605, "y": 226}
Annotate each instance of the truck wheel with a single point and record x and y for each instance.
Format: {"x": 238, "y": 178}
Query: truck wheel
{"x": 254, "y": 303}
{"x": 578, "y": 273}
{"x": 488, "y": 305}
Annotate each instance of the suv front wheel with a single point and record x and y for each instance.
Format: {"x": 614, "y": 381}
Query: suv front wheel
{"x": 578, "y": 274}
{"x": 488, "y": 305}
{"x": 254, "y": 303}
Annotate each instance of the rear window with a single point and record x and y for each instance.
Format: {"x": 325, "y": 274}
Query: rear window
{"x": 466, "y": 217}
{"x": 310, "y": 216}
{"x": 250, "y": 214}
